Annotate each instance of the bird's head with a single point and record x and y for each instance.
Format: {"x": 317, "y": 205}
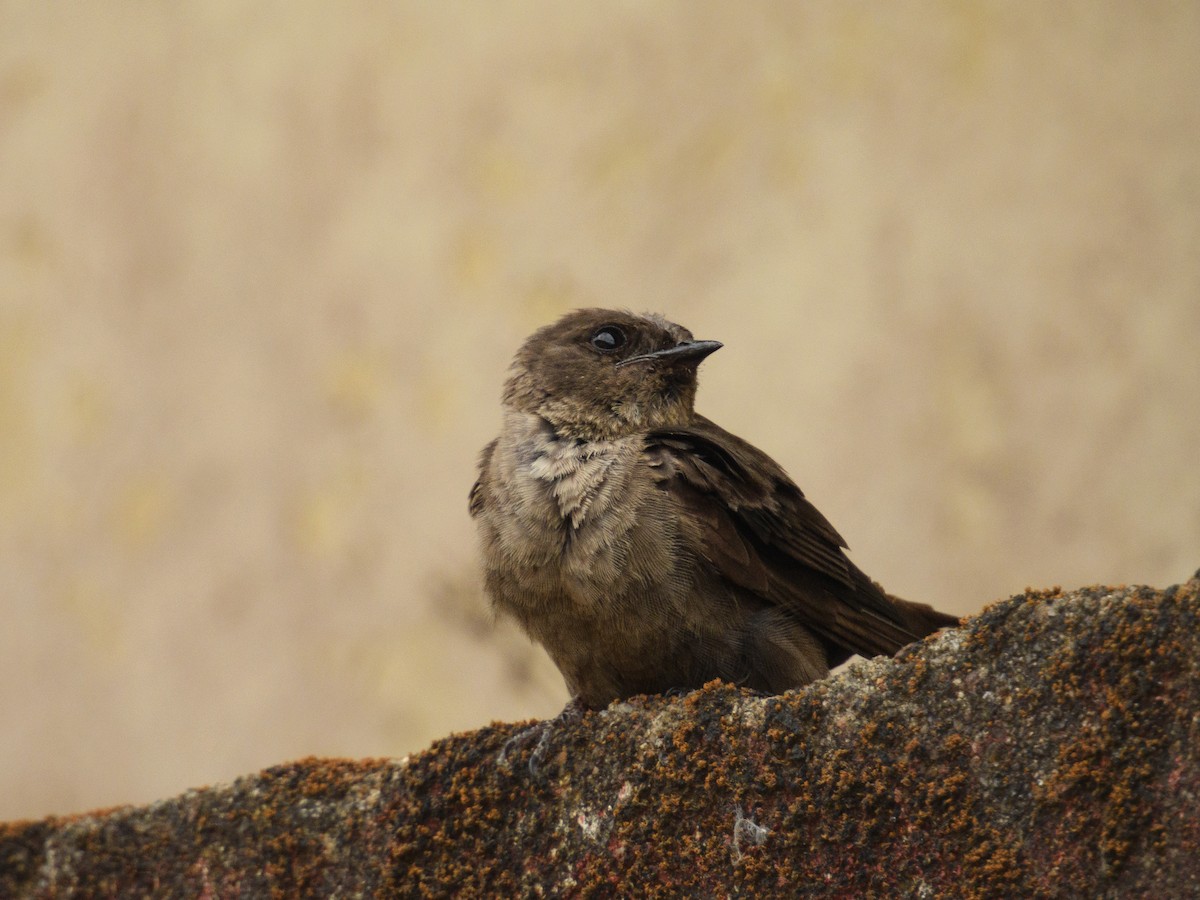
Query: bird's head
{"x": 601, "y": 374}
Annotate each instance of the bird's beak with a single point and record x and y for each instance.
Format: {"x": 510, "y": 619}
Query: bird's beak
{"x": 685, "y": 353}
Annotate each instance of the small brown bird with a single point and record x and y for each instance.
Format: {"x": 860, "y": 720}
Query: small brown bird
{"x": 646, "y": 548}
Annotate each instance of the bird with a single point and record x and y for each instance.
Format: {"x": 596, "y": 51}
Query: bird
{"x": 649, "y": 550}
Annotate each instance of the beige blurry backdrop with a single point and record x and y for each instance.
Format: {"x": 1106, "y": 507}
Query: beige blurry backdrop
{"x": 262, "y": 267}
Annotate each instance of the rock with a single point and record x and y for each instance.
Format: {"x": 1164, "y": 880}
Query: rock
{"x": 1048, "y": 747}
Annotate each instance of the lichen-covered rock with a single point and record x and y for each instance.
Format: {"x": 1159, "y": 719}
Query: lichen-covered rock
{"x": 1049, "y": 747}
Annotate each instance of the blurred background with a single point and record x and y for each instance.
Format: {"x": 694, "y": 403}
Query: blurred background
{"x": 262, "y": 269}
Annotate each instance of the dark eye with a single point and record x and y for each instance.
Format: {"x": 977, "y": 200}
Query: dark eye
{"x": 608, "y": 338}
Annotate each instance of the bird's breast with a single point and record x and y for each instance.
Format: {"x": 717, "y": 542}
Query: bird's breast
{"x": 580, "y": 480}
{"x": 582, "y": 522}
{"x": 588, "y": 492}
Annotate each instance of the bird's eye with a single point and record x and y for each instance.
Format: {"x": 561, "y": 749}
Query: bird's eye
{"x": 608, "y": 338}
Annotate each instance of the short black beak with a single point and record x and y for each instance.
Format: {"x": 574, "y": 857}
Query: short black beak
{"x": 685, "y": 353}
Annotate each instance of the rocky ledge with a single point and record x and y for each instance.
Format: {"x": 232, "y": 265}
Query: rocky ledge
{"x": 1048, "y": 747}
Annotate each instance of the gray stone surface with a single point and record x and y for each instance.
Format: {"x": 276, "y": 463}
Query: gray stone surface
{"x": 1047, "y": 747}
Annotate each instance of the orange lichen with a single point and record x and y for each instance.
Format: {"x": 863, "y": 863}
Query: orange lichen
{"x": 1046, "y": 747}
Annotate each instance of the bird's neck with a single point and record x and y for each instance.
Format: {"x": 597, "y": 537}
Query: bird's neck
{"x": 621, "y": 420}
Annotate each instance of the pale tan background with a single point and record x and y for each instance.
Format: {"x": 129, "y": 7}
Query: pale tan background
{"x": 262, "y": 267}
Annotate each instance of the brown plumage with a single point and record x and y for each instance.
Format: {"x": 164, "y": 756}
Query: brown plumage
{"x": 648, "y": 549}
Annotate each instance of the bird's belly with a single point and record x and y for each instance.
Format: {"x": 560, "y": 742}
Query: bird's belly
{"x": 583, "y": 527}
{"x": 619, "y": 558}
{"x": 618, "y": 611}
{"x": 599, "y": 570}
{"x": 602, "y": 661}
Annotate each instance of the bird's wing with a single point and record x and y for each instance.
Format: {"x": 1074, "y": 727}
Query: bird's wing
{"x": 478, "y": 497}
{"x": 760, "y": 534}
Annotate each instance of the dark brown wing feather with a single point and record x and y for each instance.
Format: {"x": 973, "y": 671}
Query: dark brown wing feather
{"x": 760, "y": 534}
{"x": 476, "y": 499}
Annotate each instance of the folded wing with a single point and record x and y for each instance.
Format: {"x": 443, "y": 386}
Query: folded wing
{"x": 760, "y": 534}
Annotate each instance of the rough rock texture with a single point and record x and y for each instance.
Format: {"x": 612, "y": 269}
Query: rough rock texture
{"x": 1049, "y": 747}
